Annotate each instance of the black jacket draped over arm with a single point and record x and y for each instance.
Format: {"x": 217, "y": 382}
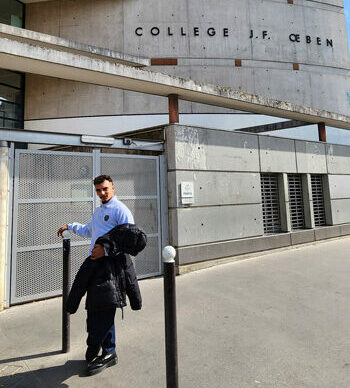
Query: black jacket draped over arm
{"x": 109, "y": 279}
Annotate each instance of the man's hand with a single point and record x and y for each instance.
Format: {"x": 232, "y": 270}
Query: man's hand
{"x": 61, "y": 230}
{"x": 97, "y": 252}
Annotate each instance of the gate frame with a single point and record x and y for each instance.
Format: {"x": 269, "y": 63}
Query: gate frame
{"x": 15, "y": 206}
{"x": 159, "y": 233}
{"x": 13, "y": 136}
{"x": 8, "y": 256}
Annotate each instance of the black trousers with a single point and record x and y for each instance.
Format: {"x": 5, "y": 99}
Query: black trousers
{"x": 101, "y": 330}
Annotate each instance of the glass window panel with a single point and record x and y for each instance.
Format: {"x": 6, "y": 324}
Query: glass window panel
{"x": 11, "y": 111}
{"x": 8, "y": 123}
{"x": 11, "y": 78}
{"x": 9, "y": 94}
{"x": 11, "y": 12}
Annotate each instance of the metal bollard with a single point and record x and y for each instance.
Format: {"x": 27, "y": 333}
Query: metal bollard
{"x": 169, "y": 254}
{"x": 65, "y": 292}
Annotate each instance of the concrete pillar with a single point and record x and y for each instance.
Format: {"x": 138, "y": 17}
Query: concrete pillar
{"x": 286, "y": 225}
{"x": 307, "y": 200}
{"x": 173, "y": 108}
{"x": 327, "y": 200}
{"x": 3, "y": 216}
{"x": 322, "y": 135}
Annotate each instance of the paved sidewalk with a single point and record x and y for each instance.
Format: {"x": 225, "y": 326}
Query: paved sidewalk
{"x": 278, "y": 320}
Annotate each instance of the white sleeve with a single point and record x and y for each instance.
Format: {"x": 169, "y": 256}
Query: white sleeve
{"x": 80, "y": 230}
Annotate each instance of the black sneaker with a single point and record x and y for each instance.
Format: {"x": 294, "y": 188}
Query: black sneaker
{"x": 92, "y": 352}
{"x": 101, "y": 362}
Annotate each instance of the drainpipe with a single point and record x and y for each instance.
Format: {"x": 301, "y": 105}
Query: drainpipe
{"x": 4, "y": 153}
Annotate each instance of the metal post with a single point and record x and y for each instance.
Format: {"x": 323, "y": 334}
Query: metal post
{"x": 65, "y": 292}
{"x": 173, "y": 108}
{"x": 169, "y": 254}
{"x": 322, "y": 134}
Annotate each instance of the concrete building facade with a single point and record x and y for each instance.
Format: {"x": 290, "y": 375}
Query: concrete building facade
{"x": 231, "y": 211}
{"x": 288, "y": 50}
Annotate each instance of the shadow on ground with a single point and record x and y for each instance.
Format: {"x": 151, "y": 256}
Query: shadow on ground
{"x": 30, "y": 357}
{"x": 52, "y": 377}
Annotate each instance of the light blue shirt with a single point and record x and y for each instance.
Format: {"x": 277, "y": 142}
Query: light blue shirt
{"x": 105, "y": 218}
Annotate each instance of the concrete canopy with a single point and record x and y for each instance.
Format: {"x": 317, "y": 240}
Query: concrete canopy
{"x": 29, "y": 52}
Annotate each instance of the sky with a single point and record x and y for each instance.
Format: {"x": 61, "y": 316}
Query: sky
{"x": 347, "y": 15}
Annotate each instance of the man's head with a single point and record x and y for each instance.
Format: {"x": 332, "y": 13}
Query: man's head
{"x": 104, "y": 187}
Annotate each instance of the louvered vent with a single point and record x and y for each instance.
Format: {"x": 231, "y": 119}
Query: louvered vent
{"x": 270, "y": 203}
{"x": 296, "y": 206}
{"x": 318, "y": 200}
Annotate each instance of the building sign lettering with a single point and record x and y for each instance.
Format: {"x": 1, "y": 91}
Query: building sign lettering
{"x": 225, "y": 32}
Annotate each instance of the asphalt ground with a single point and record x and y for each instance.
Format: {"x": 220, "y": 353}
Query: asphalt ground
{"x": 277, "y": 320}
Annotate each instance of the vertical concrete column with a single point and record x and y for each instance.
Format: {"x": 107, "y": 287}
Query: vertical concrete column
{"x": 173, "y": 108}
{"x": 322, "y": 135}
{"x": 283, "y": 193}
{"x": 3, "y": 216}
{"x": 307, "y": 201}
{"x": 327, "y": 200}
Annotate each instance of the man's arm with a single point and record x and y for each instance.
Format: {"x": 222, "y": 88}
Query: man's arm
{"x": 61, "y": 230}
{"x": 123, "y": 215}
{"x": 76, "y": 228}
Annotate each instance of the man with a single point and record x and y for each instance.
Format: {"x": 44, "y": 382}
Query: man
{"x": 100, "y": 324}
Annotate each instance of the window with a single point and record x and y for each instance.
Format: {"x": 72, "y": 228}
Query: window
{"x": 11, "y": 99}
{"x": 296, "y": 203}
{"x": 11, "y": 12}
{"x": 318, "y": 200}
{"x": 270, "y": 203}
{"x": 11, "y": 83}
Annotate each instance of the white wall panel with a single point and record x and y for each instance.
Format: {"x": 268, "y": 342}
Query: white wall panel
{"x": 216, "y": 223}
{"x": 200, "y": 149}
{"x": 340, "y": 211}
{"x": 338, "y": 159}
{"x": 311, "y": 157}
{"x": 277, "y": 154}
{"x": 339, "y": 186}
{"x": 215, "y": 188}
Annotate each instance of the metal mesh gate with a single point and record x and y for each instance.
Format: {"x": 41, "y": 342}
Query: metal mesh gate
{"x": 51, "y": 189}
{"x": 318, "y": 200}
{"x": 296, "y": 204}
{"x": 270, "y": 203}
{"x": 137, "y": 185}
{"x": 55, "y": 188}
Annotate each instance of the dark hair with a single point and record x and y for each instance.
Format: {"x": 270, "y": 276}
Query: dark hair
{"x": 101, "y": 178}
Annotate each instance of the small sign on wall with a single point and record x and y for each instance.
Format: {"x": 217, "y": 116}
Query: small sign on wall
{"x": 187, "y": 193}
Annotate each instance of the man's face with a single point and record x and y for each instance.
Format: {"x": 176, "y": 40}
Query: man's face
{"x": 105, "y": 191}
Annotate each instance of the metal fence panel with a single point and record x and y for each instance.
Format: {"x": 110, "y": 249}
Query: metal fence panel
{"x": 50, "y": 189}
{"x": 136, "y": 180}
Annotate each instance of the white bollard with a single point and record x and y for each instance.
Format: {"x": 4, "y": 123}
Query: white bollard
{"x": 169, "y": 254}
